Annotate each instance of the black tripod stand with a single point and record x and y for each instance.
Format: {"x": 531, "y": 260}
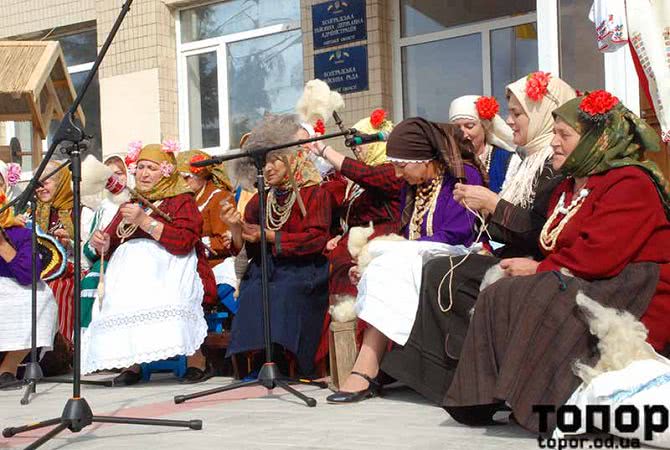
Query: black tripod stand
{"x": 269, "y": 376}
{"x": 33, "y": 371}
{"x": 77, "y": 414}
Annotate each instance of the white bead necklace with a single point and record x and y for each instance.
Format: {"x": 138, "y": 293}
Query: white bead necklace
{"x": 549, "y": 235}
{"x": 277, "y": 215}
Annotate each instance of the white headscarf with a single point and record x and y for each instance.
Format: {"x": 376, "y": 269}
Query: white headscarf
{"x": 498, "y": 133}
{"x": 519, "y": 186}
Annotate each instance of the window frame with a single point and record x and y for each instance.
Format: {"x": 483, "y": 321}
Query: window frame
{"x": 620, "y": 74}
{"x": 220, "y": 46}
{"x": 483, "y": 28}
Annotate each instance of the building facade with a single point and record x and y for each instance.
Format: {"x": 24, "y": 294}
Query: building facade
{"x": 203, "y": 72}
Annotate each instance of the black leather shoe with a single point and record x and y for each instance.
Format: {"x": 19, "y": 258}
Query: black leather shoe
{"x": 127, "y": 378}
{"x": 9, "y": 381}
{"x": 373, "y": 389}
{"x": 194, "y": 375}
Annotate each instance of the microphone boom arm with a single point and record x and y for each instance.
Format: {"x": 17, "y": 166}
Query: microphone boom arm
{"x": 261, "y": 152}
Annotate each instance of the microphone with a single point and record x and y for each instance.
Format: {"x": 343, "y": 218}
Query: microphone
{"x": 361, "y": 138}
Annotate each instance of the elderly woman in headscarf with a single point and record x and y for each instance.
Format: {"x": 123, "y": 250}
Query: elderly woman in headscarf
{"x": 54, "y": 215}
{"x": 297, "y": 224}
{"x": 16, "y": 294}
{"x": 157, "y": 277}
{"x": 431, "y": 158}
{"x": 212, "y": 188}
{"x": 608, "y": 228}
{"x": 477, "y": 116}
{"x": 450, "y": 285}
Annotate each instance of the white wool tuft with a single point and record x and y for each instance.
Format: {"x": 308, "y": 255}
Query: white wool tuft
{"x": 94, "y": 176}
{"x": 491, "y": 276}
{"x": 358, "y": 238}
{"x": 318, "y": 102}
{"x": 622, "y": 338}
{"x": 344, "y": 309}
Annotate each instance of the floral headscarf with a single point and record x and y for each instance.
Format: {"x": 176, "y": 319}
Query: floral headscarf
{"x": 301, "y": 168}
{"x": 216, "y": 173}
{"x": 62, "y": 200}
{"x": 611, "y": 136}
{"x": 171, "y": 184}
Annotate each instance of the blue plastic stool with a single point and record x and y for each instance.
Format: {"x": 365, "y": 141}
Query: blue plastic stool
{"x": 215, "y": 321}
{"x": 176, "y": 365}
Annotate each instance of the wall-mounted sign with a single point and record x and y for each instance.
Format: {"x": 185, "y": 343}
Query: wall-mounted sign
{"x": 338, "y": 22}
{"x": 345, "y": 70}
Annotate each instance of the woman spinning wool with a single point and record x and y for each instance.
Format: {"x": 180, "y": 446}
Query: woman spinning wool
{"x": 15, "y": 296}
{"x": 297, "y": 223}
{"x": 431, "y": 158}
{"x": 157, "y": 276}
{"x": 608, "y": 227}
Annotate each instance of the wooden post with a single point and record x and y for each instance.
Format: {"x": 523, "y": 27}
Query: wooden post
{"x": 342, "y": 350}
{"x": 36, "y": 148}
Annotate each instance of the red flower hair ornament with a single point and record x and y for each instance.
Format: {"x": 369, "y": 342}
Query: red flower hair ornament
{"x": 487, "y": 107}
{"x": 537, "y": 84}
{"x": 377, "y": 118}
{"x": 597, "y": 105}
{"x": 320, "y": 127}
{"x": 196, "y": 158}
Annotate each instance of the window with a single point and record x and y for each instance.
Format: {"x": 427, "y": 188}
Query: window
{"x": 465, "y": 47}
{"x": 79, "y": 50}
{"x": 237, "y": 60}
{"x": 582, "y": 65}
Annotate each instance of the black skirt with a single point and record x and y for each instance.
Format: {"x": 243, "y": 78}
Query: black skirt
{"x": 298, "y": 290}
{"x": 428, "y": 360}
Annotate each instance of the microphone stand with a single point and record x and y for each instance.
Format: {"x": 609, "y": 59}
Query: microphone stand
{"x": 269, "y": 376}
{"x": 77, "y": 413}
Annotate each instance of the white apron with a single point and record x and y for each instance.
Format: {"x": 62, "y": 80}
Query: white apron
{"x": 151, "y": 310}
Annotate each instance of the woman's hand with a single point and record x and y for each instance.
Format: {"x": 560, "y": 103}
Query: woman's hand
{"x": 316, "y": 148}
{"x": 251, "y": 233}
{"x": 22, "y": 219}
{"x": 331, "y": 244}
{"x": 518, "y": 267}
{"x": 227, "y": 240}
{"x": 133, "y": 214}
{"x": 477, "y": 198}
{"x": 63, "y": 236}
{"x": 230, "y": 215}
{"x": 354, "y": 275}
{"x": 100, "y": 241}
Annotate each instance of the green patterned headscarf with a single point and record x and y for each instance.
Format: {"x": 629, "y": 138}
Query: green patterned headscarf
{"x": 611, "y": 139}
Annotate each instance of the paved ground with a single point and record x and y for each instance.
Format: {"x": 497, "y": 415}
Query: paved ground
{"x": 250, "y": 419}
